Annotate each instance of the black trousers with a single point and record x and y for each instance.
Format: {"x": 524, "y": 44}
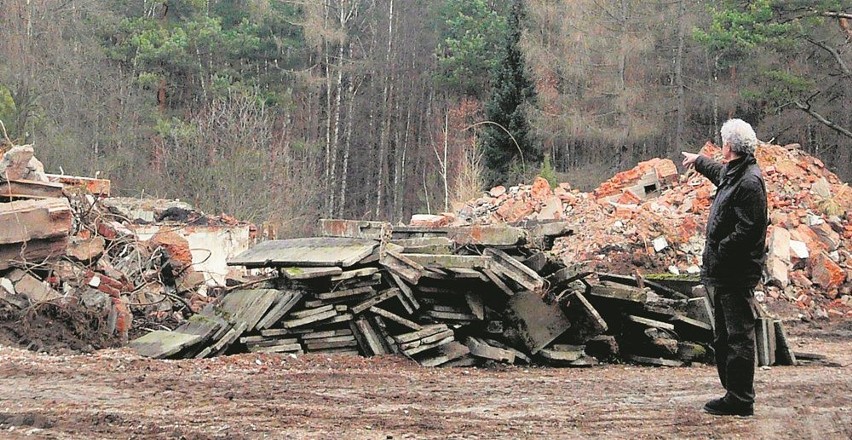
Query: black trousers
{"x": 735, "y": 313}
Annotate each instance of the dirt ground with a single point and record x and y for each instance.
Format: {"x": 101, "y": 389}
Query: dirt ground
{"x": 113, "y": 393}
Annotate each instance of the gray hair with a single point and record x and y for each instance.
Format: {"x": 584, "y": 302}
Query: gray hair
{"x": 740, "y": 135}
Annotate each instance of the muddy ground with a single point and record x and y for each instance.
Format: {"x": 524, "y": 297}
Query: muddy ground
{"x": 113, "y": 393}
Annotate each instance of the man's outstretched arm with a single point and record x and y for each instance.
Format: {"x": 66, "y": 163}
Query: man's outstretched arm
{"x": 709, "y": 168}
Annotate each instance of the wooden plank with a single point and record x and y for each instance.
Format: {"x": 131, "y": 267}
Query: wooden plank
{"x": 450, "y": 261}
{"x": 345, "y": 351}
{"x": 222, "y": 344}
{"x": 420, "y": 334}
{"x": 423, "y": 347}
{"x": 515, "y": 270}
{"x": 307, "y": 273}
{"x": 29, "y": 189}
{"x": 460, "y": 273}
{"x": 783, "y": 354}
{"x": 567, "y": 275}
{"x": 425, "y": 245}
{"x": 692, "y": 329}
{"x": 374, "y": 280}
{"x": 290, "y": 323}
{"x": 249, "y": 305}
{"x": 283, "y": 348}
{"x": 765, "y": 341}
{"x": 345, "y": 293}
{"x": 396, "y": 318}
{"x": 404, "y": 302}
{"x": 263, "y": 340}
{"x": 363, "y": 272}
{"x": 368, "y": 337}
{"x": 434, "y": 338}
{"x": 310, "y": 312}
{"x": 378, "y": 298}
{"x": 160, "y": 344}
{"x": 402, "y": 266}
{"x": 436, "y": 273}
{"x": 275, "y": 332}
{"x": 480, "y": 348}
{"x": 341, "y": 338}
{"x": 699, "y": 308}
{"x": 658, "y": 288}
{"x": 585, "y": 319}
{"x": 326, "y": 334}
{"x": 379, "y": 324}
{"x": 284, "y": 305}
{"x": 451, "y": 316}
{"x": 623, "y": 294}
{"x": 341, "y": 317}
{"x": 310, "y": 252}
{"x": 314, "y": 303}
{"x": 498, "y": 282}
{"x": 201, "y": 325}
{"x": 321, "y": 344}
{"x": 445, "y": 354}
{"x": 650, "y": 322}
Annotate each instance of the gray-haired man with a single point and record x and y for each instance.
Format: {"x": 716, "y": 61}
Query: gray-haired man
{"x": 733, "y": 259}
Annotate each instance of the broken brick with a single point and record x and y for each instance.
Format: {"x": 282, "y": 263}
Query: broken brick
{"x": 825, "y": 272}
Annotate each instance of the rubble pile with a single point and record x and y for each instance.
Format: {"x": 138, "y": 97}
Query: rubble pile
{"x": 448, "y": 296}
{"x": 66, "y": 243}
{"x": 652, "y": 220}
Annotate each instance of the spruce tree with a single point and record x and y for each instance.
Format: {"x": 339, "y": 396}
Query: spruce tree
{"x": 510, "y": 93}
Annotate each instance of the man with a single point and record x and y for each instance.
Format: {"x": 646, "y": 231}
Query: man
{"x": 734, "y": 254}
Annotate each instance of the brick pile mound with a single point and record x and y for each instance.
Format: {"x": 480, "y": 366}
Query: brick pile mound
{"x": 652, "y": 220}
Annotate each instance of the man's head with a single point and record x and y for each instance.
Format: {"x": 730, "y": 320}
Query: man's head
{"x": 739, "y": 137}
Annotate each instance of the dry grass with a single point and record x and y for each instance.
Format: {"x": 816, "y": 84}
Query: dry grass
{"x": 587, "y": 177}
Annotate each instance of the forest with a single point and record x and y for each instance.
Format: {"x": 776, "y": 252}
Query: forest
{"x": 285, "y": 111}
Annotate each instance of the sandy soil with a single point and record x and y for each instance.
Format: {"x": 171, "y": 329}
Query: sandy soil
{"x": 112, "y": 394}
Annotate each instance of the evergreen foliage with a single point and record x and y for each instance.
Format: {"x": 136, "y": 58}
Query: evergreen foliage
{"x": 471, "y": 33}
{"x": 512, "y": 91}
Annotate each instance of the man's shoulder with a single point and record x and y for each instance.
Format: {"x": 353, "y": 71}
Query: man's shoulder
{"x": 752, "y": 181}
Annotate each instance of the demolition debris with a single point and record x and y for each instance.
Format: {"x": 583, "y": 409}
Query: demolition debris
{"x": 480, "y": 294}
{"x": 528, "y": 274}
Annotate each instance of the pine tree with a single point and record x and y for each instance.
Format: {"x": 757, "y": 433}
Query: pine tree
{"x": 511, "y": 92}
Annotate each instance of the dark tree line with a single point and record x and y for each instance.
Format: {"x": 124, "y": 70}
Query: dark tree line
{"x": 288, "y": 110}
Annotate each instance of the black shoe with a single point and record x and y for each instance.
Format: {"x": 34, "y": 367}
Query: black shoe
{"x": 719, "y": 407}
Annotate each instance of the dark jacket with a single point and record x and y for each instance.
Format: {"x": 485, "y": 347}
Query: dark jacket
{"x": 736, "y": 228}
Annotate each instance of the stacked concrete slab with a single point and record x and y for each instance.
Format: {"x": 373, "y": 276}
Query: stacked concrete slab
{"x": 442, "y": 296}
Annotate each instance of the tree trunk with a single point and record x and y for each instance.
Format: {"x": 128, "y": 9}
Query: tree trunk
{"x": 679, "y": 83}
{"x": 326, "y": 49}
{"x": 384, "y": 135}
{"x": 347, "y": 143}
{"x": 335, "y": 137}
